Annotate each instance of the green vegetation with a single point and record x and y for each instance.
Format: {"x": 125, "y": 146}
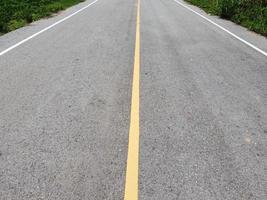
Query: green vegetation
{"x": 16, "y": 13}
{"x": 249, "y": 13}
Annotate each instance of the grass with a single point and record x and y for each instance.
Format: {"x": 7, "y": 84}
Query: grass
{"x": 251, "y": 14}
{"x": 17, "y": 13}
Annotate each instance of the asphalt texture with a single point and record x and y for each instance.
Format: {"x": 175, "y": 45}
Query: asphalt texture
{"x": 65, "y": 100}
{"x": 65, "y": 104}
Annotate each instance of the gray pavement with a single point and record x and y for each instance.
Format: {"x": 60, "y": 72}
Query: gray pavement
{"x": 203, "y": 110}
{"x": 65, "y": 105}
{"x": 65, "y": 98}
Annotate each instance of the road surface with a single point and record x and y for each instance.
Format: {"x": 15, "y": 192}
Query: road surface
{"x": 68, "y": 97}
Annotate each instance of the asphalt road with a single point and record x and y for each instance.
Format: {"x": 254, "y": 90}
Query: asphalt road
{"x": 65, "y": 104}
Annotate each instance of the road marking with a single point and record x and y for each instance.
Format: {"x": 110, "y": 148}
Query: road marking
{"x": 131, "y": 183}
{"x": 45, "y": 29}
{"x": 224, "y": 29}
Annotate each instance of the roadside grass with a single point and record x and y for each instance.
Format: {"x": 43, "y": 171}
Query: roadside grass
{"x": 17, "y": 13}
{"x": 251, "y": 14}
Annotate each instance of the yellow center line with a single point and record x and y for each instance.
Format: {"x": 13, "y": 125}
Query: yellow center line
{"x": 131, "y": 183}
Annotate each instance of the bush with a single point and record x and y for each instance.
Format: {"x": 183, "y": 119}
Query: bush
{"x": 227, "y": 8}
{"x": 17, "y": 13}
{"x": 14, "y": 24}
{"x": 249, "y": 13}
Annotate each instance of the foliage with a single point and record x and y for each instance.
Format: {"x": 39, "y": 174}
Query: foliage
{"x": 17, "y": 13}
{"x": 249, "y": 13}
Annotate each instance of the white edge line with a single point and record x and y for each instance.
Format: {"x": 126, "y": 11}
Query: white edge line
{"x": 45, "y": 29}
{"x": 224, "y": 29}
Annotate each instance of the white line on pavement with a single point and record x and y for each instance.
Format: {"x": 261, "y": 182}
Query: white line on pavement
{"x": 224, "y": 29}
{"x": 45, "y": 29}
